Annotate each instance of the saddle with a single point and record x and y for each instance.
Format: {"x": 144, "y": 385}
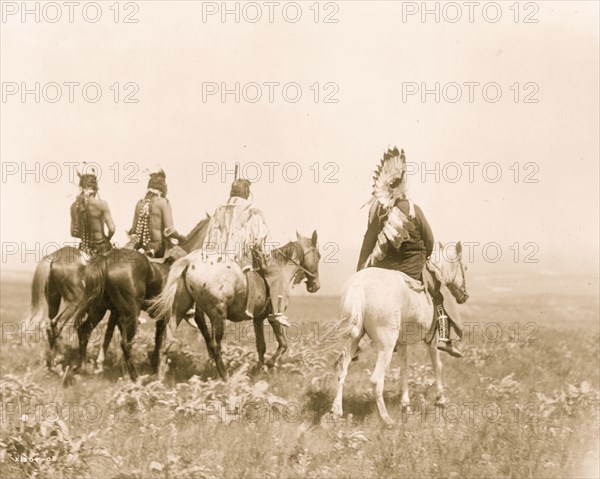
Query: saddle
{"x": 156, "y": 260}
{"x": 413, "y": 283}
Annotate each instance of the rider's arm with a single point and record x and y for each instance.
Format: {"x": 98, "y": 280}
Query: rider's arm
{"x": 106, "y": 216}
{"x": 74, "y": 220}
{"x": 258, "y": 230}
{"x": 167, "y": 214}
{"x": 167, "y": 222}
{"x": 369, "y": 241}
{"x": 135, "y": 219}
{"x": 426, "y": 233}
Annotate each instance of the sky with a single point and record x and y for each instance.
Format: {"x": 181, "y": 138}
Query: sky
{"x": 312, "y": 160}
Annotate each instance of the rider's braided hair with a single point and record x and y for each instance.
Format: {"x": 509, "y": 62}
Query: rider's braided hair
{"x": 82, "y": 228}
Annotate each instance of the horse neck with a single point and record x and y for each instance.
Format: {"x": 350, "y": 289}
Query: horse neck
{"x": 196, "y": 236}
{"x": 289, "y": 267}
{"x": 441, "y": 271}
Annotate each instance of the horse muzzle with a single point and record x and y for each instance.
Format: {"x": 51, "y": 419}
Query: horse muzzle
{"x": 462, "y": 298}
{"x": 460, "y": 295}
{"x": 313, "y": 286}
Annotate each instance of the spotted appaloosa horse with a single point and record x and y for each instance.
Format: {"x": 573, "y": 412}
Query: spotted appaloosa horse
{"x": 218, "y": 289}
{"x": 379, "y": 303}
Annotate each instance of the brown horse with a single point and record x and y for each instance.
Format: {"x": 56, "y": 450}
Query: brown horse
{"x": 57, "y": 278}
{"x": 123, "y": 281}
{"x": 217, "y": 288}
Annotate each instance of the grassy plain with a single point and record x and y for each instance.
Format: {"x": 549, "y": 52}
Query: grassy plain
{"x": 523, "y": 401}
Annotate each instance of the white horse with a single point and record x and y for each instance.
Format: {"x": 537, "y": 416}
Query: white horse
{"x": 387, "y": 306}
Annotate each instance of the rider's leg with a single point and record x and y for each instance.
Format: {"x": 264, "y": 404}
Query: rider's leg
{"x": 279, "y": 294}
{"x": 246, "y": 264}
{"x": 250, "y": 293}
{"x": 439, "y": 313}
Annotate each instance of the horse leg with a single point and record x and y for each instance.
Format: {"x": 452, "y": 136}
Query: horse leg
{"x": 281, "y": 342}
{"x": 384, "y": 358}
{"x": 84, "y": 330}
{"x": 341, "y": 366}
{"x": 110, "y": 329}
{"x": 128, "y": 324}
{"x": 70, "y": 311}
{"x": 53, "y": 300}
{"x": 436, "y": 362}
{"x": 261, "y": 346}
{"x": 159, "y": 363}
{"x": 402, "y": 351}
{"x": 200, "y": 320}
{"x": 218, "y": 331}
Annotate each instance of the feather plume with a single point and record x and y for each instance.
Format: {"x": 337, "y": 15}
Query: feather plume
{"x": 389, "y": 185}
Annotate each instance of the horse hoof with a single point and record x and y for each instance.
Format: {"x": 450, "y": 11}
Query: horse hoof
{"x": 389, "y": 423}
{"x": 329, "y": 418}
{"x": 407, "y": 408}
{"x": 441, "y": 401}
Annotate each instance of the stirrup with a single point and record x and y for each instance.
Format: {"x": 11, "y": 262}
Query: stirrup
{"x": 446, "y": 346}
{"x": 281, "y": 319}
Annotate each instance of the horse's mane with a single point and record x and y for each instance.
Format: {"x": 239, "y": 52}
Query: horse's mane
{"x": 286, "y": 252}
{"x": 196, "y": 228}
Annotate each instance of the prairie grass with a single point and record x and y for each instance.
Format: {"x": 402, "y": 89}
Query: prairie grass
{"x": 522, "y": 404}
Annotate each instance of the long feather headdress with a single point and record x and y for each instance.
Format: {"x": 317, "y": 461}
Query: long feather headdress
{"x": 389, "y": 185}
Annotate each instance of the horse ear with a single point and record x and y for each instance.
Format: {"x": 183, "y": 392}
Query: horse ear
{"x": 459, "y": 250}
{"x": 298, "y": 235}
{"x": 314, "y": 237}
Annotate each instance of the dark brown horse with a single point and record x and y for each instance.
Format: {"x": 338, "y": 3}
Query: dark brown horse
{"x": 57, "y": 278}
{"x": 123, "y": 281}
{"x": 217, "y": 288}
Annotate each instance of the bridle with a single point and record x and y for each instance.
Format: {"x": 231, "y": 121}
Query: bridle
{"x": 299, "y": 265}
{"x": 450, "y": 284}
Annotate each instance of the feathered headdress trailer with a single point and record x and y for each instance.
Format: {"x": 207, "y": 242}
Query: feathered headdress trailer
{"x": 389, "y": 185}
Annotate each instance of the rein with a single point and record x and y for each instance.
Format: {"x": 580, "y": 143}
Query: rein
{"x": 463, "y": 287}
{"x": 293, "y": 261}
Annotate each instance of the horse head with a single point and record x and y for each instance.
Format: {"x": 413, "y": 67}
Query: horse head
{"x": 449, "y": 268}
{"x": 309, "y": 262}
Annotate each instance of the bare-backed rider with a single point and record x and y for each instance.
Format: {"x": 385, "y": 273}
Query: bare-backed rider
{"x": 152, "y": 227}
{"x": 89, "y": 216}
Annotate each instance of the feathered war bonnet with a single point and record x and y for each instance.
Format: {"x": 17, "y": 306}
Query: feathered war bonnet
{"x": 389, "y": 181}
{"x": 158, "y": 181}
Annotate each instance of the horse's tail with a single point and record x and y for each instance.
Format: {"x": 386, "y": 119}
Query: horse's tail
{"x": 96, "y": 274}
{"x": 351, "y": 317}
{"x": 162, "y": 305}
{"x": 351, "y": 321}
{"x": 39, "y": 286}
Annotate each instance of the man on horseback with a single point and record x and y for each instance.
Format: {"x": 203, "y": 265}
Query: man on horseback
{"x": 399, "y": 237}
{"x": 152, "y": 228}
{"x": 238, "y": 230}
{"x": 89, "y": 214}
